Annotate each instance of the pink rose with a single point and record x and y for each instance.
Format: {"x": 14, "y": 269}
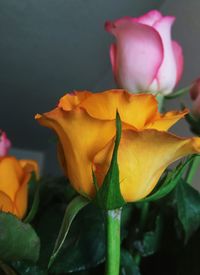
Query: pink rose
{"x": 195, "y": 96}
{"x": 5, "y": 144}
{"x": 145, "y": 58}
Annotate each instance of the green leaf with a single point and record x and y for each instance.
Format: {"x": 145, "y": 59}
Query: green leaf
{"x": 151, "y": 240}
{"x": 71, "y": 211}
{"x": 170, "y": 182}
{"x": 84, "y": 246}
{"x": 109, "y": 195}
{"x": 18, "y": 241}
{"x": 128, "y": 266}
{"x": 188, "y": 208}
{"x": 47, "y": 226}
{"x": 35, "y": 204}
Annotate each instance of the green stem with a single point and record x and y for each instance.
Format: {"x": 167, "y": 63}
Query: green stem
{"x": 113, "y": 241}
{"x": 160, "y": 98}
{"x": 192, "y": 169}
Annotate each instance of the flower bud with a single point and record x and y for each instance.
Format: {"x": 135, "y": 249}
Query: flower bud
{"x": 144, "y": 57}
{"x": 5, "y": 144}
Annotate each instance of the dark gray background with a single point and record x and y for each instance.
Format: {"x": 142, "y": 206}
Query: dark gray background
{"x": 49, "y": 47}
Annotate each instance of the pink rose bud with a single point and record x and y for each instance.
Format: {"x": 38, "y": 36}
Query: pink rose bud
{"x": 195, "y": 96}
{"x": 5, "y": 144}
{"x": 144, "y": 57}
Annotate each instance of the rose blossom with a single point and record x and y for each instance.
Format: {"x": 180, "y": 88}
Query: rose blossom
{"x": 14, "y": 177}
{"x": 144, "y": 57}
{"x": 85, "y": 125}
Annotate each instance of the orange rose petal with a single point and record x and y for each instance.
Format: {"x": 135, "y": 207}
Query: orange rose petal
{"x": 81, "y": 136}
{"x": 136, "y": 110}
{"x": 142, "y": 158}
{"x": 6, "y": 204}
{"x": 71, "y": 100}
{"x": 104, "y": 105}
{"x": 21, "y": 198}
{"x": 29, "y": 166}
{"x": 11, "y": 174}
{"x": 165, "y": 121}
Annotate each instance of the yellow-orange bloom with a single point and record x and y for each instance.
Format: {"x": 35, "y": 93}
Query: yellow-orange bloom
{"x": 85, "y": 125}
{"x": 14, "y": 177}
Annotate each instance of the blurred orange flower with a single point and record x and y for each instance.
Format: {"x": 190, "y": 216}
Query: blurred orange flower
{"x": 14, "y": 177}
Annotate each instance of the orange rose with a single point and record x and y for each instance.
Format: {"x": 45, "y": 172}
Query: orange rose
{"x": 85, "y": 125}
{"x": 14, "y": 177}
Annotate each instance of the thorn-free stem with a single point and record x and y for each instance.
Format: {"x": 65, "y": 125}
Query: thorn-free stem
{"x": 113, "y": 220}
{"x": 160, "y": 98}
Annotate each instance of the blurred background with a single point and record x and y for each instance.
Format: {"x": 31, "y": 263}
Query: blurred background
{"x": 49, "y": 47}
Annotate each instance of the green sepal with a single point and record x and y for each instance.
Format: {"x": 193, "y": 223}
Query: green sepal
{"x": 71, "y": 211}
{"x": 169, "y": 183}
{"x": 18, "y": 241}
{"x": 160, "y": 99}
{"x": 109, "y": 196}
{"x": 178, "y": 93}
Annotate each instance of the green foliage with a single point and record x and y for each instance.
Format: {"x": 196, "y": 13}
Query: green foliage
{"x": 18, "y": 241}
{"x": 171, "y": 231}
{"x": 34, "y": 186}
{"x": 188, "y": 208}
{"x": 151, "y": 240}
{"x": 128, "y": 265}
{"x": 71, "y": 211}
{"x": 85, "y": 246}
{"x": 109, "y": 195}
